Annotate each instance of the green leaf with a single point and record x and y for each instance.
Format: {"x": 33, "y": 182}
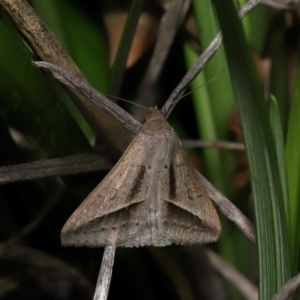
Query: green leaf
{"x": 277, "y": 131}
{"x": 273, "y": 252}
{"x": 257, "y": 26}
{"x": 214, "y": 101}
{"x": 292, "y": 156}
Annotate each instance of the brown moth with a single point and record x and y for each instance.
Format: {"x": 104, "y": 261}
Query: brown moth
{"x": 151, "y": 197}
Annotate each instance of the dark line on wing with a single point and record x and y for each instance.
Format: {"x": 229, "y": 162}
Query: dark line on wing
{"x": 137, "y": 182}
{"x": 172, "y": 182}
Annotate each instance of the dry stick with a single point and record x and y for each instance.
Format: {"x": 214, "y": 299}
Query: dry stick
{"x": 229, "y": 210}
{"x": 282, "y": 4}
{"x": 202, "y": 61}
{"x": 242, "y": 284}
{"x": 170, "y": 22}
{"x": 288, "y": 289}
{"x": 111, "y": 108}
{"x": 104, "y": 278}
{"x": 58, "y": 195}
{"x": 83, "y": 163}
{"x": 217, "y": 144}
{"x": 70, "y": 165}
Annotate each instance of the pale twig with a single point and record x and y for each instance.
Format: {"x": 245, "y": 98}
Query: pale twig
{"x": 288, "y": 289}
{"x": 242, "y": 284}
{"x": 282, "y": 4}
{"x": 230, "y": 210}
{"x": 201, "y": 62}
{"x": 75, "y": 164}
{"x": 86, "y": 90}
{"x": 217, "y": 144}
{"x": 104, "y": 278}
{"x": 67, "y": 166}
{"x": 170, "y": 22}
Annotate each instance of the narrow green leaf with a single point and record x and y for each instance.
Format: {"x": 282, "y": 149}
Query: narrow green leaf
{"x": 257, "y": 26}
{"x": 292, "y": 156}
{"x": 279, "y": 71}
{"x": 273, "y": 255}
{"x": 214, "y": 102}
{"x": 206, "y": 125}
{"x": 277, "y": 131}
{"x": 219, "y": 90}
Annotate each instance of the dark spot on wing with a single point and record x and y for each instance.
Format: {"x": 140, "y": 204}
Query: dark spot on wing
{"x": 172, "y": 182}
{"x": 137, "y": 182}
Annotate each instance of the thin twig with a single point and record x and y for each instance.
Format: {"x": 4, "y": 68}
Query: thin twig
{"x": 70, "y": 165}
{"x": 29, "y": 228}
{"x": 201, "y": 62}
{"x": 230, "y": 210}
{"x": 100, "y": 100}
{"x": 105, "y": 273}
{"x": 288, "y": 289}
{"x": 242, "y": 284}
{"x": 218, "y": 144}
{"x": 282, "y": 4}
{"x": 67, "y": 166}
{"x": 171, "y": 20}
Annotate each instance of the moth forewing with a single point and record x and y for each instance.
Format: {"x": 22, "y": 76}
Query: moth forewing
{"x": 106, "y": 215}
{"x": 151, "y": 197}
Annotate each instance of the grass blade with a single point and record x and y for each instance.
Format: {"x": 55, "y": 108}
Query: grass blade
{"x": 273, "y": 254}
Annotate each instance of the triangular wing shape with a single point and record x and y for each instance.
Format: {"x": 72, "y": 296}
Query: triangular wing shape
{"x": 113, "y": 212}
{"x": 189, "y": 216}
{"x": 151, "y": 197}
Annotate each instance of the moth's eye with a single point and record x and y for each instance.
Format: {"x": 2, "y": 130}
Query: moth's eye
{"x": 149, "y": 167}
{"x": 137, "y": 224}
{"x": 166, "y": 167}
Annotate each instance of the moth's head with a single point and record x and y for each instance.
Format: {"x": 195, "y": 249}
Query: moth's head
{"x": 154, "y": 113}
{"x": 155, "y": 122}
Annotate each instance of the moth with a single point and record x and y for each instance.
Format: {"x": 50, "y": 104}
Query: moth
{"x": 152, "y": 196}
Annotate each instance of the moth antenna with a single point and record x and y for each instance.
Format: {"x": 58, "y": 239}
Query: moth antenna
{"x": 122, "y": 99}
{"x": 188, "y": 93}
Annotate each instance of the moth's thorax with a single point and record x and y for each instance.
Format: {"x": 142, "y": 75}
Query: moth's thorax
{"x": 155, "y": 122}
